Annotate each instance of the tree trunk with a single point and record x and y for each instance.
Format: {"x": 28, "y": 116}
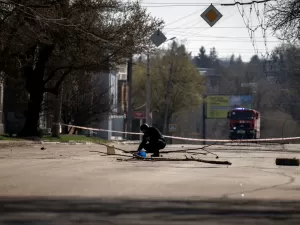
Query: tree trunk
{"x": 35, "y": 86}
{"x": 30, "y": 128}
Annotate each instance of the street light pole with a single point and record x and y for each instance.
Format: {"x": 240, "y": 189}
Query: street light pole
{"x": 148, "y": 90}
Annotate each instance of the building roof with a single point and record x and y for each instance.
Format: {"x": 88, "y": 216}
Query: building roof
{"x": 208, "y": 71}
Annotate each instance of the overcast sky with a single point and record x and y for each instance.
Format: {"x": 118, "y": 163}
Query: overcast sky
{"x": 229, "y": 35}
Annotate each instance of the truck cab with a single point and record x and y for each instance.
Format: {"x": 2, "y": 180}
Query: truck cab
{"x": 244, "y": 123}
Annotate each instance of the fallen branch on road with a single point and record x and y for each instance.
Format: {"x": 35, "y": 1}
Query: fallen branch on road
{"x": 169, "y": 159}
{"x": 176, "y": 160}
{"x": 186, "y": 150}
{"x": 211, "y": 161}
{"x": 105, "y": 154}
{"x": 173, "y": 151}
{"x": 176, "y": 151}
{"x": 193, "y": 149}
{"x": 183, "y": 151}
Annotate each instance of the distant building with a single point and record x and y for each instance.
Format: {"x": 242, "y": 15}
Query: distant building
{"x": 212, "y": 80}
{"x": 272, "y": 69}
{"x": 108, "y": 80}
{"x": 113, "y": 121}
{"x": 15, "y": 105}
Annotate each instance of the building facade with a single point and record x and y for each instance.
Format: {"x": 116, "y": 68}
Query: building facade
{"x": 113, "y": 121}
{"x": 15, "y": 103}
{"x": 109, "y": 121}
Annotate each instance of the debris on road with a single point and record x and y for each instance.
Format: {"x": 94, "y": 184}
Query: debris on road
{"x": 287, "y": 162}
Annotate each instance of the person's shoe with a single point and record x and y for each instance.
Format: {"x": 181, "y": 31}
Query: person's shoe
{"x": 155, "y": 155}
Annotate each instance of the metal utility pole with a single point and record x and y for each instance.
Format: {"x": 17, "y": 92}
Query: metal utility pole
{"x": 204, "y": 118}
{"x": 125, "y": 98}
{"x": 148, "y": 91}
{"x": 129, "y": 103}
{"x": 167, "y": 98}
{"x": 1, "y": 105}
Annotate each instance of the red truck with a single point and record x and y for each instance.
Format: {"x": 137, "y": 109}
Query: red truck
{"x": 244, "y": 123}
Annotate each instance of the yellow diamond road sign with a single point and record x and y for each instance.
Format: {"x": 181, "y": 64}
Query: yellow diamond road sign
{"x": 211, "y": 15}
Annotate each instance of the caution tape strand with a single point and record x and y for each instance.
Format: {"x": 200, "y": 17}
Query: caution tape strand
{"x": 188, "y": 139}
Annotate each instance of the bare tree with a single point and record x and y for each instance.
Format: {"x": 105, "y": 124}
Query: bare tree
{"x": 46, "y": 40}
{"x": 186, "y": 84}
{"x": 85, "y": 98}
{"x": 250, "y": 79}
{"x": 286, "y": 59}
{"x": 284, "y": 17}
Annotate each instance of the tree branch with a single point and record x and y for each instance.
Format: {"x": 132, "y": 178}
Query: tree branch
{"x": 54, "y": 90}
{"x": 52, "y": 74}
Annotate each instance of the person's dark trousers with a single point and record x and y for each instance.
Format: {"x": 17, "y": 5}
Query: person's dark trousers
{"x": 154, "y": 147}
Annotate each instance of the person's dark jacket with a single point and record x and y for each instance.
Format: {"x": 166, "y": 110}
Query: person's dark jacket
{"x": 152, "y": 135}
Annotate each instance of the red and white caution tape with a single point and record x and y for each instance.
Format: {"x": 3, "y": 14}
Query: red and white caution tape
{"x": 191, "y": 139}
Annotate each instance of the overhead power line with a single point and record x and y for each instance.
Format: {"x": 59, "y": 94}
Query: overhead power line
{"x": 233, "y": 40}
{"x": 230, "y": 49}
{"x": 158, "y": 5}
{"x": 184, "y": 17}
{"x": 247, "y": 22}
{"x": 210, "y": 36}
{"x": 227, "y": 51}
{"x": 186, "y": 32}
{"x": 192, "y": 27}
{"x": 177, "y": 3}
{"x": 186, "y": 4}
{"x": 245, "y": 3}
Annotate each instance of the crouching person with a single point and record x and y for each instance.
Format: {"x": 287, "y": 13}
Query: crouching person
{"x": 153, "y": 141}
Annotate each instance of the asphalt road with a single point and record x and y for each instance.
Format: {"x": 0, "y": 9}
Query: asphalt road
{"x": 69, "y": 184}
